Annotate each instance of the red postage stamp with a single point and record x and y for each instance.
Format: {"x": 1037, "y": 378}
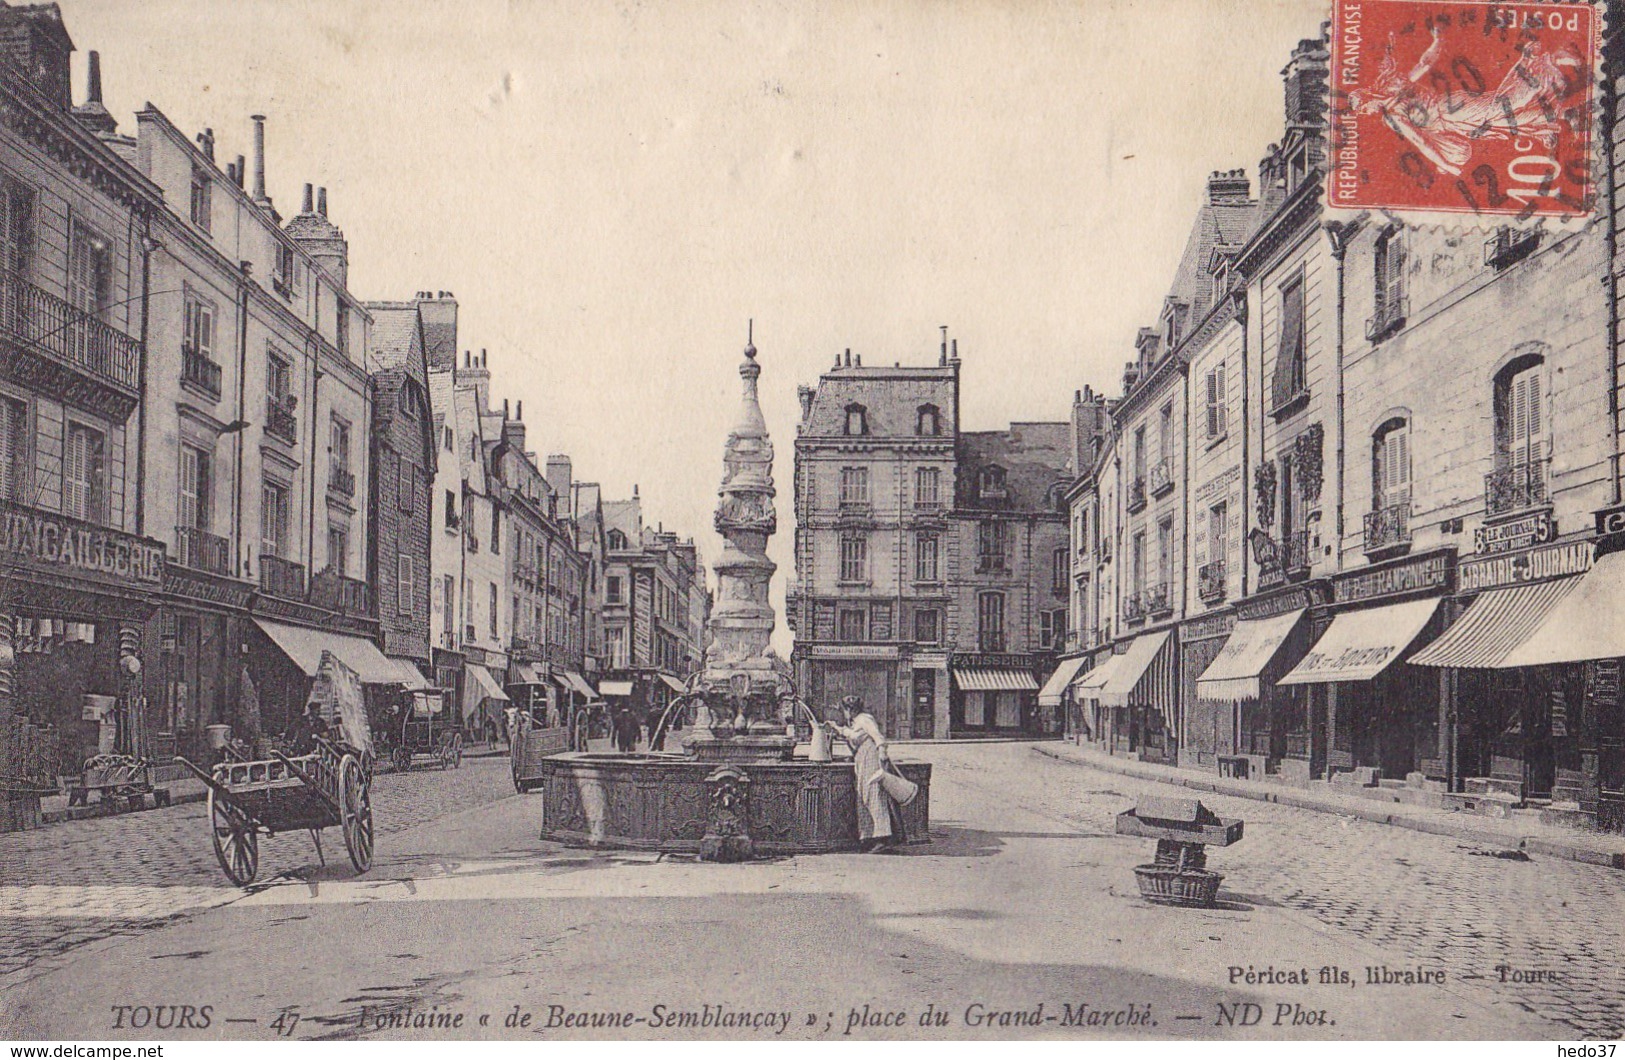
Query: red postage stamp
{"x": 1446, "y": 106}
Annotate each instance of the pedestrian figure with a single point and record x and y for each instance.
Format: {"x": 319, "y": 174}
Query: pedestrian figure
{"x": 626, "y": 730}
{"x": 880, "y": 818}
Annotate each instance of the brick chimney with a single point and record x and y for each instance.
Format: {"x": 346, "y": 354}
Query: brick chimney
{"x": 1228, "y": 187}
{"x": 559, "y": 474}
{"x": 1305, "y": 76}
{"x": 513, "y": 429}
{"x": 92, "y": 113}
{"x": 37, "y": 43}
{"x": 320, "y": 238}
{"x": 438, "y": 310}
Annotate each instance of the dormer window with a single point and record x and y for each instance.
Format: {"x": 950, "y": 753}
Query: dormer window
{"x": 928, "y": 421}
{"x": 991, "y": 481}
{"x": 617, "y": 540}
{"x": 857, "y": 420}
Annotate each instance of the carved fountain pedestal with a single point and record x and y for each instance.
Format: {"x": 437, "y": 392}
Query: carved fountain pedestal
{"x": 737, "y": 791}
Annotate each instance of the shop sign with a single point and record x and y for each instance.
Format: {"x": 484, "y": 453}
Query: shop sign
{"x": 1206, "y": 627}
{"x": 1551, "y": 561}
{"x": 1536, "y": 528}
{"x": 1421, "y": 574}
{"x": 177, "y": 582}
{"x": 1611, "y": 521}
{"x": 1211, "y": 487}
{"x": 855, "y": 651}
{"x": 45, "y": 541}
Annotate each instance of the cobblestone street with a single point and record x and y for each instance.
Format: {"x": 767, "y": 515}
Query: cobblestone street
{"x": 70, "y": 884}
{"x": 1023, "y": 894}
{"x": 1432, "y": 898}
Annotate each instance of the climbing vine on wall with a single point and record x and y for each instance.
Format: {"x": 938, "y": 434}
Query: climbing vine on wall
{"x": 1307, "y": 458}
{"x": 1264, "y": 492}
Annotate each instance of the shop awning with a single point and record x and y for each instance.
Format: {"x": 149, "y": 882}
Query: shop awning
{"x": 1359, "y": 645}
{"x": 673, "y": 684}
{"x": 528, "y": 674}
{"x": 1588, "y": 623}
{"x": 304, "y": 648}
{"x": 579, "y": 684}
{"x": 1050, "y": 694}
{"x": 408, "y": 676}
{"x": 485, "y": 687}
{"x": 1494, "y": 625}
{"x": 1092, "y": 682}
{"x": 1144, "y": 675}
{"x": 1236, "y": 673}
{"x": 615, "y": 688}
{"x": 993, "y": 679}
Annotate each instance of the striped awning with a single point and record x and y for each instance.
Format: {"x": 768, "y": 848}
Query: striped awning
{"x": 993, "y": 679}
{"x": 304, "y": 648}
{"x": 672, "y": 683}
{"x": 1143, "y": 676}
{"x": 527, "y": 674}
{"x": 1236, "y": 673}
{"x": 1494, "y": 625}
{"x": 485, "y": 687}
{"x": 574, "y": 682}
{"x": 1092, "y": 682}
{"x": 1588, "y": 623}
{"x": 1359, "y": 645}
{"x": 1050, "y": 694}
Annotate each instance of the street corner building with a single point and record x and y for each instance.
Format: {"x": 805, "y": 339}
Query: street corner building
{"x": 1353, "y": 519}
{"x": 217, "y": 462}
{"x": 931, "y": 562}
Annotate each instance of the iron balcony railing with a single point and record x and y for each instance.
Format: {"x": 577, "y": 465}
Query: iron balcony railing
{"x": 1136, "y": 495}
{"x": 334, "y": 592}
{"x": 1156, "y": 599}
{"x": 66, "y": 334}
{"x": 990, "y": 640}
{"x": 1210, "y": 581}
{"x": 280, "y": 421}
{"x": 342, "y": 481}
{"x": 1388, "y": 318}
{"x": 1511, "y": 489}
{"x": 1388, "y": 527}
{"x": 198, "y": 549}
{"x": 280, "y": 577}
{"x": 1134, "y": 607}
{"x": 1161, "y": 477}
{"x": 200, "y": 370}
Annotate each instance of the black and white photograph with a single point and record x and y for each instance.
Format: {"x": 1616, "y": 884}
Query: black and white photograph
{"x": 770, "y": 521}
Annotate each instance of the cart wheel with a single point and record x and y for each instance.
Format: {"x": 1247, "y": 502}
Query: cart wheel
{"x": 236, "y": 846}
{"x": 355, "y": 802}
{"x": 402, "y": 758}
{"x": 515, "y": 754}
{"x": 456, "y": 750}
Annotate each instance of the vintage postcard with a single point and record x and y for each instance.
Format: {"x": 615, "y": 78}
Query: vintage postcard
{"x": 542, "y": 520}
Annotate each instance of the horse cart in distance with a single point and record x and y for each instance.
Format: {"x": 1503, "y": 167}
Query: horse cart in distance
{"x": 425, "y": 733}
{"x": 331, "y": 785}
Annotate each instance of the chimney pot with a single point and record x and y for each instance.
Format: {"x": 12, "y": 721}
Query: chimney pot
{"x": 956, "y": 350}
{"x": 321, "y": 201}
{"x": 240, "y": 171}
{"x": 504, "y": 408}
{"x": 860, "y": 360}
{"x": 94, "y": 78}
{"x": 519, "y": 410}
{"x": 259, "y": 157}
{"x": 310, "y": 199}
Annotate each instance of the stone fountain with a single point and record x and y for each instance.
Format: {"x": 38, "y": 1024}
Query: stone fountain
{"x": 739, "y": 789}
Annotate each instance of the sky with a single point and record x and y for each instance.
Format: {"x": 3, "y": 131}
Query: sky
{"x": 613, "y": 189}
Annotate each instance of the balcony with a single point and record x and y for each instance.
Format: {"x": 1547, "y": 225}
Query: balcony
{"x": 1162, "y": 477}
{"x": 1389, "y": 318}
{"x": 1134, "y": 607}
{"x": 279, "y": 418}
{"x": 1509, "y": 246}
{"x": 200, "y": 550}
{"x": 448, "y": 640}
{"x": 1515, "y": 488}
{"x": 991, "y": 563}
{"x": 280, "y": 577}
{"x": 1136, "y": 495}
{"x": 68, "y": 348}
{"x": 927, "y": 504}
{"x": 1157, "y": 600}
{"x": 990, "y": 640}
{"x": 341, "y": 480}
{"x": 1295, "y": 552}
{"x": 333, "y": 591}
{"x": 199, "y": 370}
{"x": 1388, "y": 530}
{"x": 1211, "y": 581}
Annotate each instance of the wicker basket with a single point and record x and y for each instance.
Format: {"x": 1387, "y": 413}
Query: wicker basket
{"x": 1171, "y": 886}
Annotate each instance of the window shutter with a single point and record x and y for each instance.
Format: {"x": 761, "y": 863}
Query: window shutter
{"x": 1284, "y": 382}
{"x": 75, "y": 472}
{"x": 1394, "y": 280}
{"x": 1400, "y": 442}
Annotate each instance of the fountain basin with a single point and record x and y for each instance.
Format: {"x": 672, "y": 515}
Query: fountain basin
{"x": 664, "y": 802}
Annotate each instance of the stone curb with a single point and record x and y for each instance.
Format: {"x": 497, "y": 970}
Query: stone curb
{"x": 1376, "y": 814}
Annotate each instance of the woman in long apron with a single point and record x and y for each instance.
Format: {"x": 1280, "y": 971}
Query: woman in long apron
{"x": 880, "y": 819}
